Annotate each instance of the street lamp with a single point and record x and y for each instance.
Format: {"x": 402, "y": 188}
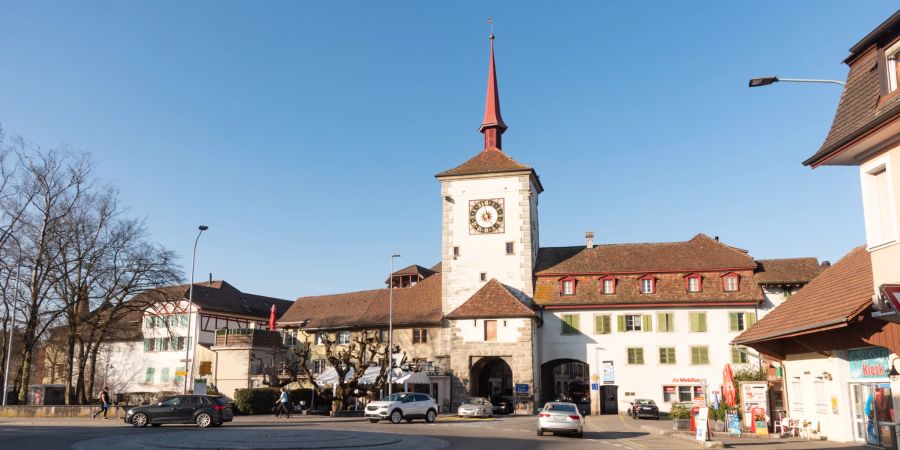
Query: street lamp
{"x": 765, "y": 81}
{"x": 12, "y": 322}
{"x": 391, "y": 327}
{"x": 188, "y": 367}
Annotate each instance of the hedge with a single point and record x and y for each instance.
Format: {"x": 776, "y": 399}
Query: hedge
{"x": 254, "y": 401}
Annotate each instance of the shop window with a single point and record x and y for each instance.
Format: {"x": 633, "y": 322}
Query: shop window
{"x": 420, "y": 335}
{"x": 665, "y": 322}
{"x": 667, "y": 355}
{"x": 699, "y": 355}
{"x": 490, "y": 330}
{"x": 635, "y": 355}
{"x": 685, "y": 393}
{"x": 698, "y": 322}
{"x": 670, "y": 394}
{"x": 569, "y": 324}
{"x": 602, "y": 324}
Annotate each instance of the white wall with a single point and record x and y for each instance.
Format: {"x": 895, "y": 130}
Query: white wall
{"x": 809, "y": 368}
{"x": 487, "y": 252}
{"x": 472, "y": 330}
{"x": 647, "y": 380}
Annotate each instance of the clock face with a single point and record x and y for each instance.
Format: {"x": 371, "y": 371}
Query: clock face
{"x": 486, "y": 216}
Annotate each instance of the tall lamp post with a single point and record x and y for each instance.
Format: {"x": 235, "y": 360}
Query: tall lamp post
{"x": 391, "y": 327}
{"x": 188, "y": 367}
{"x": 12, "y": 322}
{"x": 765, "y": 81}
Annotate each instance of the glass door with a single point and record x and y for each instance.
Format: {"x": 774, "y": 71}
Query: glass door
{"x": 858, "y": 395}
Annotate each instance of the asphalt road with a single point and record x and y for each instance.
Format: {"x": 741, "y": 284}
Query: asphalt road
{"x": 262, "y": 432}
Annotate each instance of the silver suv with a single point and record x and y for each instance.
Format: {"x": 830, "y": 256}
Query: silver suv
{"x": 403, "y": 406}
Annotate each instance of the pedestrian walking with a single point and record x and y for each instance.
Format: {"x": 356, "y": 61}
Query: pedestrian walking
{"x": 284, "y": 404}
{"x": 104, "y": 404}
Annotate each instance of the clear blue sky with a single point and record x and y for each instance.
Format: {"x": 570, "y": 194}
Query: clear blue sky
{"x": 307, "y": 134}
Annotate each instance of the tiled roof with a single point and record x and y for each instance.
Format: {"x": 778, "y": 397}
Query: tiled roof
{"x": 219, "y": 296}
{"x": 861, "y": 107}
{"x": 414, "y": 269}
{"x": 787, "y": 271}
{"x": 419, "y": 304}
{"x": 699, "y": 253}
{"x": 830, "y": 300}
{"x": 491, "y": 301}
{"x": 491, "y": 160}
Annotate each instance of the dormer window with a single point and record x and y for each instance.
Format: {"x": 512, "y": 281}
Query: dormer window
{"x": 731, "y": 282}
{"x": 648, "y": 284}
{"x": 608, "y": 285}
{"x": 567, "y": 286}
{"x": 891, "y": 72}
{"x": 693, "y": 282}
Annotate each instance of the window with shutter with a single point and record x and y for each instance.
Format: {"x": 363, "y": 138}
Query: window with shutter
{"x": 621, "y": 323}
{"x": 699, "y": 355}
{"x": 739, "y": 356}
{"x": 633, "y": 322}
{"x": 569, "y": 324}
{"x": 667, "y": 355}
{"x": 635, "y": 355}
{"x": 602, "y": 324}
{"x": 698, "y": 322}
{"x": 737, "y": 321}
{"x": 665, "y": 322}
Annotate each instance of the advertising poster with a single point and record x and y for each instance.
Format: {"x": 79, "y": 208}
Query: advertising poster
{"x": 702, "y": 421}
{"x": 753, "y": 395}
{"x": 734, "y": 425}
{"x": 609, "y": 373}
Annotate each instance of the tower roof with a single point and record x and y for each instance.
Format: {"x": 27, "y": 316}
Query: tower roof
{"x": 492, "y": 117}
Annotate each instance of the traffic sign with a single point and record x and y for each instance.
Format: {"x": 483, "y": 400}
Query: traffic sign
{"x": 180, "y": 373}
{"x": 521, "y": 388}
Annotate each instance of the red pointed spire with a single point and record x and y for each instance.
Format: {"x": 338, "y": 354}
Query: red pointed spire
{"x": 492, "y": 126}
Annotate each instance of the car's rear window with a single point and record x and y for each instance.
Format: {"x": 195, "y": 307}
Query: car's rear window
{"x": 560, "y": 408}
{"x": 646, "y": 402}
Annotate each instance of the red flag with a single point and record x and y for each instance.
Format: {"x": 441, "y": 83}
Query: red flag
{"x": 728, "y": 390}
{"x": 272, "y": 319}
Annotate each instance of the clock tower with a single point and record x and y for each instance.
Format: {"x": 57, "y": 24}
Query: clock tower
{"x": 489, "y": 216}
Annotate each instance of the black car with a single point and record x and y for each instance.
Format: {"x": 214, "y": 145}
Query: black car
{"x": 643, "y": 408}
{"x": 203, "y": 410}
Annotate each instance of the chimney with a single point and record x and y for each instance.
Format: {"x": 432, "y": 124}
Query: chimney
{"x": 717, "y": 239}
{"x": 826, "y": 264}
{"x": 589, "y": 239}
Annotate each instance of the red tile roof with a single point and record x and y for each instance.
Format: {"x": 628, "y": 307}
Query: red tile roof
{"x": 787, "y": 270}
{"x": 699, "y": 253}
{"x": 490, "y": 160}
{"x": 493, "y": 300}
{"x": 830, "y": 300}
{"x": 419, "y": 304}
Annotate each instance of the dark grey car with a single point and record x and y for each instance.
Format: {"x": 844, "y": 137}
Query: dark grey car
{"x": 203, "y": 410}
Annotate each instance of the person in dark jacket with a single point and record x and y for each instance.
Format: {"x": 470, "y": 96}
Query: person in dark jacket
{"x": 104, "y": 403}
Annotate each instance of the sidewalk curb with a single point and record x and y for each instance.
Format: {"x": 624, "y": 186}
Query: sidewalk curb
{"x": 682, "y": 436}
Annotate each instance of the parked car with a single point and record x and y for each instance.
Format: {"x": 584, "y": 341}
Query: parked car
{"x": 560, "y": 417}
{"x": 643, "y": 407}
{"x": 476, "y": 407}
{"x": 203, "y": 410}
{"x": 501, "y": 405}
{"x": 403, "y": 406}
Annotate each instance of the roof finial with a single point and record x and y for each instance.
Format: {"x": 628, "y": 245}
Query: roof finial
{"x": 492, "y": 126}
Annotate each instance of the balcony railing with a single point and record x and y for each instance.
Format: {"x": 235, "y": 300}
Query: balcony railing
{"x": 253, "y": 337}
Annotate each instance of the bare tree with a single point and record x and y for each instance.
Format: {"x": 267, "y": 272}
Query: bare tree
{"x": 349, "y": 361}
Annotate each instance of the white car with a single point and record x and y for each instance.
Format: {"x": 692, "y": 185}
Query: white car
{"x": 560, "y": 417}
{"x": 403, "y": 406}
{"x": 476, "y": 407}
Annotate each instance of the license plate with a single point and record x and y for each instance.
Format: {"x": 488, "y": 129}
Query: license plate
{"x": 557, "y": 419}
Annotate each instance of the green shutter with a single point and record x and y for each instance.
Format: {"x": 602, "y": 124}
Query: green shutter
{"x": 601, "y": 324}
{"x": 647, "y": 322}
{"x": 607, "y": 323}
{"x": 735, "y": 355}
{"x": 701, "y": 317}
{"x": 621, "y": 320}
{"x": 639, "y": 355}
{"x": 749, "y": 319}
{"x": 664, "y": 322}
{"x": 695, "y": 322}
{"x": 733, "y": 324}
{"x": 569, "y": 324}
{"x": 576, "y": 327}
{"x": 146, "y": 345}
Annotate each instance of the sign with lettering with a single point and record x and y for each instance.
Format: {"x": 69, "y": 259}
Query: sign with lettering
{"x": 868, "y": 363}
{"x": 595, "y": 386}
{"x": 521, "y": 389}
{"x": 687, "y": 380}
{"x": 702, "y": 424}
{"x": 734, "y": 424}
{"x": 609, "y": 373}
{"x": 753, "y": 395}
